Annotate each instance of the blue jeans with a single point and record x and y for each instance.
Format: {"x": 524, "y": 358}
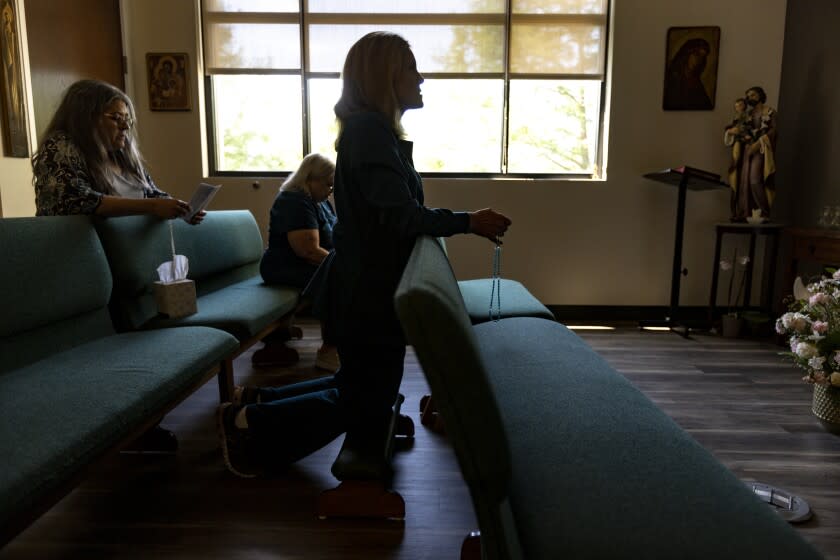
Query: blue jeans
{"x": 294, "y": 421}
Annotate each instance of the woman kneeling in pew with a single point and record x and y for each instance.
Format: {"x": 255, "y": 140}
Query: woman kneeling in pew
{"x": 379, "y": 201}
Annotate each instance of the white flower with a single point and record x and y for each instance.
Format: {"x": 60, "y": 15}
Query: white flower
{"x": 800, "y": 292}
{"x": 819, "y": 297}
{"x": 744, "y": 261}
{"x": 785, "y": 319}
{"x": 816, "y": 363}
{"x": 725, "y": 265}
{"x": 806, "y": 350}
{"x": 795, "y": 321}
{"x": 836, "y": 274}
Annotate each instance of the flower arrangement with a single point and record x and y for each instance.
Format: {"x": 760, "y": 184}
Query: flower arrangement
{"x": 726, "y": 266}
{"x": 813, "y": 325}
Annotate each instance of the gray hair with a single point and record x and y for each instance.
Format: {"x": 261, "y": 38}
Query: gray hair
{"x": 78, "y": 117}
{"x": 313, "y": 166}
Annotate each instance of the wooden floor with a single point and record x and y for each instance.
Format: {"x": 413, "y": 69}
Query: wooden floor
{"x": 738, "y": 398}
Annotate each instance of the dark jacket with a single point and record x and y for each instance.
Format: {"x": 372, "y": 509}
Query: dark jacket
{"x": 379, "y": 202}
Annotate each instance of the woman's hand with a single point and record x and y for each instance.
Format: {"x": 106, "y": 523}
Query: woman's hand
{"x": 195, "y": 220}
{"x": 168, "y": 208}
{"x": 488, "y": 223}
{"x": 165, "y": 208}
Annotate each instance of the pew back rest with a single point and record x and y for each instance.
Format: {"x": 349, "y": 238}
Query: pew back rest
{"x": 432, "y": 313}
{"x": 224, "y": 249}
{"x": 54, "y": 287}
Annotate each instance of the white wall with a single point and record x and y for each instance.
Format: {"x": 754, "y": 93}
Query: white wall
{"x": 572, "y": 242}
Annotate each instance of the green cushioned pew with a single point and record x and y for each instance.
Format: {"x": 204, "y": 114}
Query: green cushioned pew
{"x": 224, "y": 254}
{"x": 71, "y": 388}
{"x": 515, "y": 300}
{"x": 564, "y": 457}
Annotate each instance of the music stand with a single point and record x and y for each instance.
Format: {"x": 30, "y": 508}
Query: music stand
{"x": 683, "y": 178}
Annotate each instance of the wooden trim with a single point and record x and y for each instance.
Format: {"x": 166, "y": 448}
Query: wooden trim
{"x": 578, "y": 313}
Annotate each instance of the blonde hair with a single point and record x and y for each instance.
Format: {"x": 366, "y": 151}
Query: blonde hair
{"x": 372, "y": 66}
{"x": 313, "y": 166}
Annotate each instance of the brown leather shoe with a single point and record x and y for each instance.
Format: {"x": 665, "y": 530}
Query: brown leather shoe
{"x": 277, "y": 355}
{"x": 155, "y": 440}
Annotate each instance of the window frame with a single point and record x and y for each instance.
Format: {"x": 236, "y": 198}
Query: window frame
{"x": 304, "y": 19}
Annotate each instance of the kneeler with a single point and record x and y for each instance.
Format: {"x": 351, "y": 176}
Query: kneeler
{"x": 364, "y": 469}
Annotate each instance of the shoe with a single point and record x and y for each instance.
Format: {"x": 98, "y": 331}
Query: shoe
{"x": 283, "y": 334}
{"x": 155, "y": 440}
{"x": 245, "y": 394}
{"x": 327, "y": 359}
{"x": 237, "y": 445}
{"x": 273, "y": 354}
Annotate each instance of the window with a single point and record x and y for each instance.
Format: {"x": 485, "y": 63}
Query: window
{"x": 512, "y": 86}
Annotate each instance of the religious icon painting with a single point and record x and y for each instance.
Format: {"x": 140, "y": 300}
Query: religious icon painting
{"x": 691, "y": 65}
{"x": 168, "y": 81}
{"x": 15, "y": 135}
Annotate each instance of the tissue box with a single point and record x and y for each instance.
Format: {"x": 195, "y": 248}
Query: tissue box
{"x": 175, "y": 299}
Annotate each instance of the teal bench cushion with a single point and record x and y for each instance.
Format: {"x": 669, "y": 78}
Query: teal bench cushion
{"x": 224, "y": 253}
{"x": 242, "y": 309}
{"x": 596, "y": 465}
{"x": 64, "y": 411}
{"x": 54, "y": 289}
{"x": 515, "y": 300}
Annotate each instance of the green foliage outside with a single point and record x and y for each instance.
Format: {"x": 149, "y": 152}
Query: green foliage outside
{"x": 553, "y": 124}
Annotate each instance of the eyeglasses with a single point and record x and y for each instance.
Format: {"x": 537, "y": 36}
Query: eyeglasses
{"x": 121, "y": 119}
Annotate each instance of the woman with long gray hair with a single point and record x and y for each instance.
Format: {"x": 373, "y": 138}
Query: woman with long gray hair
{"x": 88, "y": 161}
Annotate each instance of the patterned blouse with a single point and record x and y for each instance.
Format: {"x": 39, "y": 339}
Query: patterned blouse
{"x": 63, "y": 184}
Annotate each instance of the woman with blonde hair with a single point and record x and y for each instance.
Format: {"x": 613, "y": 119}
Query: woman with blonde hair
{"x": 300, "y": 238}
{"x": 379, "y": 199}
{"x": 300, "y": 225}
{"x": 380, "y": 204}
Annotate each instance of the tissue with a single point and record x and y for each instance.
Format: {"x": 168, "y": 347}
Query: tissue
{"x": 174, "y": 270}
{"x": 174, "y": 293}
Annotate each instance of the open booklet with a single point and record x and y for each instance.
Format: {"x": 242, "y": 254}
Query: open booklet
{"x": 200, "y": 199}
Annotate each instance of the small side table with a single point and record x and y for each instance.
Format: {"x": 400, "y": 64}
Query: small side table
{"x": 817, "y": 245}
{"x": 771, "y": 251}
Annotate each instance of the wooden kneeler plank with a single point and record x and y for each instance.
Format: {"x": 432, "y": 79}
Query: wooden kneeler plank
{"x": 471, "y": 547}
{"x": 361, "y": 498}
{"x": 369, "y": 498}
{"x": 429, "y": 415}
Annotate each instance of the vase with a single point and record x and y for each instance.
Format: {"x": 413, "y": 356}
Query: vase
{"x": 730, "y": 325}
{"x": 826, "y": 407}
